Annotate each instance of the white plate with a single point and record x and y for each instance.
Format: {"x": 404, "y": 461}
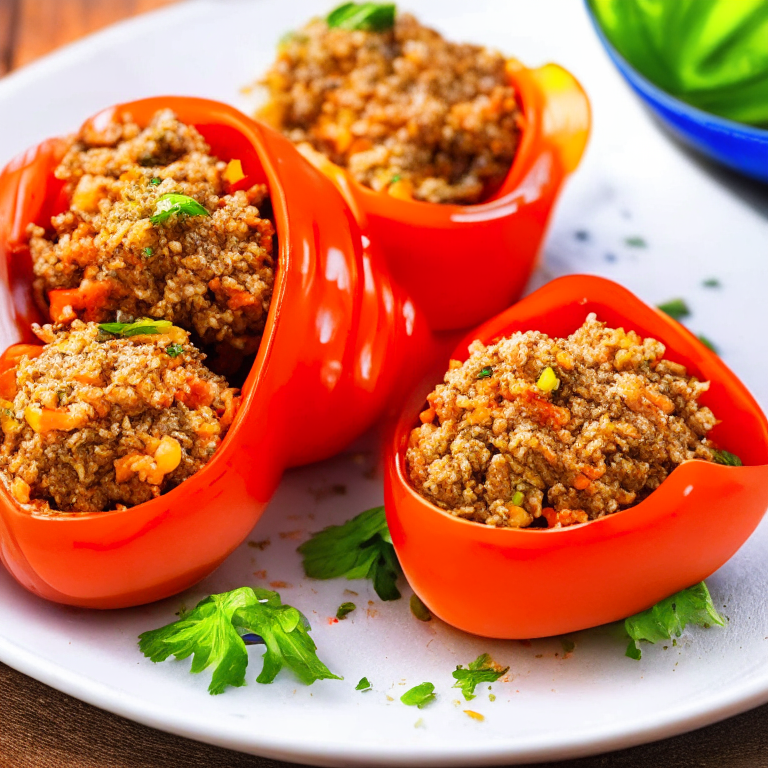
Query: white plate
{"x": 633, "y": 182}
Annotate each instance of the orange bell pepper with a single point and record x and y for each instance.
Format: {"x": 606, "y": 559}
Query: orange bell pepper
{"x": 431, "y": 247}
{"x": 524, "y": 583}
{"x": 341, "y": 339}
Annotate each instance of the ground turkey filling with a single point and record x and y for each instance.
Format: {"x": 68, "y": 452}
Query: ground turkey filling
{"x": 210, "y": 273}
{"x": 100, "y": 423}
{"x": 534, "y": 429}
{"x": 404, "y": 110}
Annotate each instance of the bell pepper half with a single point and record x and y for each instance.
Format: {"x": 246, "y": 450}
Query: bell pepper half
{"x": 525, "y": 583}
{"x": 340, "y": 339}
{"x": 461, "y": 264}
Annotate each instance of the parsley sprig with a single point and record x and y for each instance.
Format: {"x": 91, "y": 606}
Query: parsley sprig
{"x": 481, "y": 670}
{"x": 677, "y": 309}
{"x": 724, "y": 457}
{"x": 668, "y": 618}
{"x": 174, "y": 204}
{"x": 139, "y": 328}
{"x": 361, "y": 548}
{"x": 212, "y": 634}
{"x": 419, "y": 696}
{"x": 371, "y": 17}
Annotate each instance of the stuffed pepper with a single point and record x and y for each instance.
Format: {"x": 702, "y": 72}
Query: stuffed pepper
{"x": 584, "y": 458}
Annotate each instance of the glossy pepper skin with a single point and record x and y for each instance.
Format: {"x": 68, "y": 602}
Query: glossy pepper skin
{"x": 518, "y": 583}
{"x": 337, "y": 334}
{"x": 491, "y": 248}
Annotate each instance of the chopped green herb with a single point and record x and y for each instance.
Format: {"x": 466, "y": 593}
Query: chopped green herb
{"x": 174, "y": 350}
{"x": 61, "y": 395}
{"x": 154, "y": 181}
{"x": 371, "y": 17}
{"x": 208, "y": 633}
{"x": 419, "y": 696}
{"x": 635, "y": 242}
{"x": 147, "y": 251}
{"x": 729, "y": 459}
{"x": 485, "y": 372}
{"x": 481, "y": 670}
{"x": 419, "y": 610}
{"x": 707, "y": 343}
{"x": 668, "y": 618}
{"x": 396, "y": 178}
{"x": 361, "y": 548}
{"x": 711, "y": 282}
{"x": 363, "y": 685}
{"x": 285, "y": 631}
{"x": 517, "y": 499}
{"x": 181, "y": 205}
{"x": 344, "y": 609}
{"x": 139, "y": 328}
{"x": 212, "y": 632}
{"x": 491, "y": 697}
{"x": 675, "y": 308}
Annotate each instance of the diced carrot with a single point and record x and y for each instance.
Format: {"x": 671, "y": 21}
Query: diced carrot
{"x": 428, "y": 416}
{"x": 62, "y": 303}
{"x": 20, "y": 491}
{"x": 550, "y": 516}
{"x": 90, "y": 297}
{"x": 88, "y": 378}
{"x": 8, "y": 384}
{"x": 231, "y": 404}
{"x": 580, "y": 482}
{"x": 200, "y": 393}
{"x": 401, "y": 190}
{"x": 49, "y": 420}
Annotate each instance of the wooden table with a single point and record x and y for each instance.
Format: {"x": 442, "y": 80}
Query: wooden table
{"x": 42, "y": 728}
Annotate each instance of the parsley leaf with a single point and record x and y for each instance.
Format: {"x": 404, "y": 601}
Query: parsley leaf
{"x": 361, "y": 548}
{"x": 707, "y": 343}
{"x": 668, "y": 618}
{"x": 729, "y": 459}
{"x": 154, "y": 181}
{"x": 371, "y": 17}
{"x": 363, "y": 685}
{"x": 139, "y": 328}
{"x": 147, "y": 251}
{"x": 677, "y": 309}
{"x": 481, "y": 670}
{"x": 344, "y": 609}
{"x": 485, "y": 373}
{"x": 419, "y": 696}
{"x": 419, "y": 610}
{"x": 206, "y": 632}
{"x": 174, "y": 350}
{"x": 214, "y": 631}
{"x": 635, "y": 242}
{"x": 285, "y": 633}
{"x": 172, "y": 203}
{"x": 711, "y": 282}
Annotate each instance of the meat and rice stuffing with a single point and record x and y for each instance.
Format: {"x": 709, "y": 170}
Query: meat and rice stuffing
{"x": 562, "y": 430}
{"x": 153, "y": 230}
{"x": 102, "y": 422}
{"x": 405, "y": 110}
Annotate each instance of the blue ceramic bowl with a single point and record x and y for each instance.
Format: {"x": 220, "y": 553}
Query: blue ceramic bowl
{"x": 738, "y": 146}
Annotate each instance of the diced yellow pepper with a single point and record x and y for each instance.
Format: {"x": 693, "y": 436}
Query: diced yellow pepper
{"x": 233, "y": 172}
{"x": 548, "y": 381}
